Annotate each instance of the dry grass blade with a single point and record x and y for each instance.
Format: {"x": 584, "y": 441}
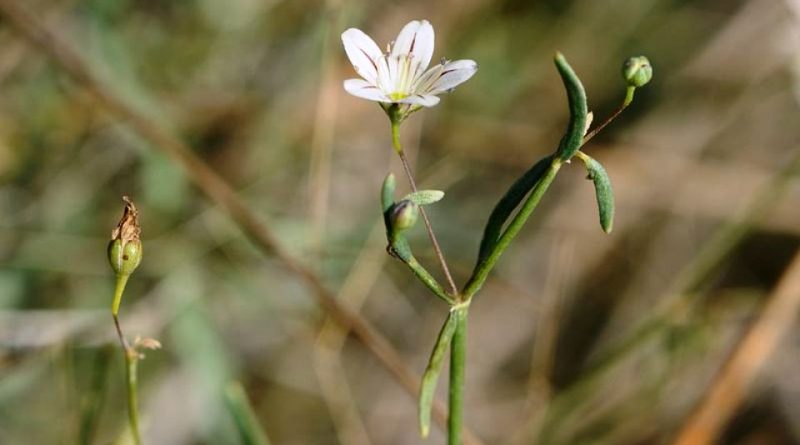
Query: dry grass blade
{"x": 731, "y": 385}
{"x": 212, "y": 185}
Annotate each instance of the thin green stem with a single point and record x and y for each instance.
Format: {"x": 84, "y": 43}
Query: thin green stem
{"x": 122, "y": 341}
{"x": 395, "y": 121}
{"x": 400, "y": 249}
{"x": 217, "y": 190}
{"x": 482, "y": 271}
{"x": 131, "y": 362}
{"x": 396, "y": 135}
{"x": 458, "y": 358}
{"x": 428, "y": 280}
{"x": 119, "y": 288}
{"x": 627, "y": 101}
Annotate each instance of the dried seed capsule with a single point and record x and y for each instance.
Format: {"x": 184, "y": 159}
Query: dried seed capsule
{"x": 125, "y": 248}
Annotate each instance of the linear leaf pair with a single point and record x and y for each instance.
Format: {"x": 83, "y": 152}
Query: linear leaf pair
{"x": 568, "y": 146}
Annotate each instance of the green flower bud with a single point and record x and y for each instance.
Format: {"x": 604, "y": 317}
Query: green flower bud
{"x": 404, "y": 215}
{"x": 125, "y": 248}
{"x": 637, "y": 71}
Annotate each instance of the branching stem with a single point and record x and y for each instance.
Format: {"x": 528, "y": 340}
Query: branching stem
{"x": 436, "y": 248}
{"x": 131, "y": 365}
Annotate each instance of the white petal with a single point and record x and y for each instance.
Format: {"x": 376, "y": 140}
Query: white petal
{"x": 416, "y": 38}
{"x": 425, "y": 81}
{"x": 365, "y": 90}
{"x": 453, "y": 74}
{"x": 385, "y": 81}
{"x": 426, "y": 100}
{"x": 362, "y": 52}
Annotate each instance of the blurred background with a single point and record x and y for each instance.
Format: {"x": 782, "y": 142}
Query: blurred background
{"x": 578, "y": 337}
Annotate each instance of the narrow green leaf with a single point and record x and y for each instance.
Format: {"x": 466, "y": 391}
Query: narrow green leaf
{"x": 603, "y": 191}
{"x": 431, "y": 376}
{"x": 578, "y": 109}
{"x": 513, "y": 197}
{"x": 567, "y": 147}
{"x": 425, "y": 197}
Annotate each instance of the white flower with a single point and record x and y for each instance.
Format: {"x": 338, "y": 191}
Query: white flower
{"x": 399, "y": 75}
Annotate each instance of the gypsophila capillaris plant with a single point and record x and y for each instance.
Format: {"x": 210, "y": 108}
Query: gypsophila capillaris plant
{"x": 402, "y": 84}
{"x": 124, "y": 255}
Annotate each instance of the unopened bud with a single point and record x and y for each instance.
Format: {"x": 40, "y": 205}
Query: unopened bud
{"x": 404, "y": 215}
{"x": 637, "y": 71}
{"x": 125, "y": 249}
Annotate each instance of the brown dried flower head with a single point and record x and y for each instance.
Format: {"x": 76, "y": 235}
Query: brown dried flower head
{"x": 128, "y": 227}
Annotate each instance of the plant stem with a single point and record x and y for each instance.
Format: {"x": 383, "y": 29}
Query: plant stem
{"x": 458, "y": 356}
{"x": 481, "y": 272}
{"x": 399, "y": 149}
{"x": 119, "y": 288}
{"x": 627, "y": 101}
{"x": 428, "y": 280}
{"x": 217, "y": 190}
{"x": 131, "y": 362}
